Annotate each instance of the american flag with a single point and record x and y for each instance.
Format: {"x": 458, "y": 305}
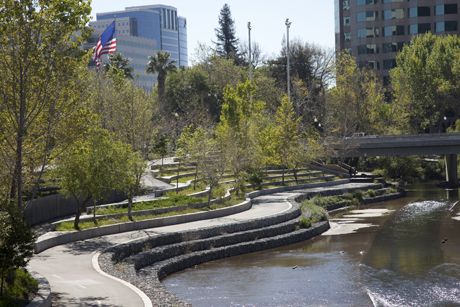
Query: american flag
{"x": 106, "y": 44}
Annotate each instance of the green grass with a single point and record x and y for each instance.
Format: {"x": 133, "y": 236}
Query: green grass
{"x": 172, "y": 201}
{"x": 68, "y": 226}
{"x": 317, "y": 214}
{"x": 20, "y": 291}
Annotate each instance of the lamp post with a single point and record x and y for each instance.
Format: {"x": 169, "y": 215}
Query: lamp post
{"x": 288, "y": 67}
{"x": 250, "y": 51}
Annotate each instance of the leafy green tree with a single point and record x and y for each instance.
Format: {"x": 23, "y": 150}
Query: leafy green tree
{"x": 92, "y": 168}
{"x": 425, "y": 82}
{"x": 16, "y": 242}
{"x": 237, "y": 128}
{"x": 161, "y": 65}
{"x": 133, "y": 169}
{"x": 286, "y": 135}
{"x": 39, "y": 57}
{"x": 357, "y": 102}
{"x": 119, "y": 65}
{"x": 227, "y": 43}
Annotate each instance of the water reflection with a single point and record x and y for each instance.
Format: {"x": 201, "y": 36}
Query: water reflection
{"x": 411, "y": 258}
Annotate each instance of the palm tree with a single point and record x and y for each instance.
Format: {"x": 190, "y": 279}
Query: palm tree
{"x": 118, "y": 63}
{"x": 161, "y": 64}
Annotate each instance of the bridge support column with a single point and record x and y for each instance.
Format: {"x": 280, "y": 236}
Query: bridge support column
{"x": 451, "y": 170}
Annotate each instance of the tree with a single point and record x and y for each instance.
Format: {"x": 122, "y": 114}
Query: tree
{"x": 40, "y": 56}
{"x": 286, "y": 135}
{"x": 357, "y": 102}
{"x": 425, "y": 82}
{"x": 92, "y": 168}
{"x": 134, "y": 168}
{"x": 119, "y": 65}
{"x": 161, "y": 65}
{"x": 311, "y": 74}
{"x": 237, "y": 128}
{"x": 16, "y": 242}
{"x": 227, "y": 43}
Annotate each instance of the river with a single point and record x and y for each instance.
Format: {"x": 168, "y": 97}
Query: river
{"x": 407, "y": 253}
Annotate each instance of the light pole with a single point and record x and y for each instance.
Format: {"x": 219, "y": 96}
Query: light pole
{"x": 288, "y": 67}
{"x": 250, "y": 51}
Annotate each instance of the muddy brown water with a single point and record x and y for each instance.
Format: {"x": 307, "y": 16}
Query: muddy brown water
{"x": 409, "y": 257}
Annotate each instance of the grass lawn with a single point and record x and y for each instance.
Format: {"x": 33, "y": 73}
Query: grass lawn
{"x": 68, "y": 225}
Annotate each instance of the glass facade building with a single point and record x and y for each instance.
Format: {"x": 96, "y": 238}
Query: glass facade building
{"x": 143, "y": 30}
{"x": 374, "y": 31}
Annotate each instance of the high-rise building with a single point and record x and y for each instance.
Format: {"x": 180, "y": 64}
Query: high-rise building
{"x": 373, "y": 31}
{"x": 143, "y": 30}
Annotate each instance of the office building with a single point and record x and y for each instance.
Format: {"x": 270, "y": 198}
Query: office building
{"x": 373, "y": 31}
{"x": 143, "y": 30}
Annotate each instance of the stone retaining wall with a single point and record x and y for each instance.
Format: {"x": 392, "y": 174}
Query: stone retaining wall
{"x": 64, "y": 238}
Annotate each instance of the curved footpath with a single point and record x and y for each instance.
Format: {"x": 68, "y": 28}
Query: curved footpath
{"x": 76, "y": 280}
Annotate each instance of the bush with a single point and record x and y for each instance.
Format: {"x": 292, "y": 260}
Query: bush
{"x": 16, "y": 244}
{"x": 304, "y": 222}
{"x": 19, "y": 288}
{"x": 370, "y": 193}
{"x": 255, "y": 178}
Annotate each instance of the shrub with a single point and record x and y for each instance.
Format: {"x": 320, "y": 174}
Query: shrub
{"x": 370, "y": 193}
{"x": 304, "y": 222}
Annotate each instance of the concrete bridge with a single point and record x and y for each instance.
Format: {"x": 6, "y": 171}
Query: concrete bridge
{"x": 444, "y": 144}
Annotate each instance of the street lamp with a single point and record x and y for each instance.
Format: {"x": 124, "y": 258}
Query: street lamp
{"x": 250, "y": 51}
{"x": 288, "y": 25}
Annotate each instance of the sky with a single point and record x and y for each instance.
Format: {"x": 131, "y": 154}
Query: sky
{"x": 312, "y": 20}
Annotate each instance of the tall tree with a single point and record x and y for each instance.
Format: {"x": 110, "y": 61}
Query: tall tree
{"x": 227, "y": 43}
{"x": 357, "y": 102}
{"x": 39, "y": 58}
{"x": 426, "y": 82}
{"x": 119, "y": 65}
{"x": 161, "y": 65}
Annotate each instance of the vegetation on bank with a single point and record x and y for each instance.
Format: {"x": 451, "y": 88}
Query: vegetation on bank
{"x": 20, "y": 287}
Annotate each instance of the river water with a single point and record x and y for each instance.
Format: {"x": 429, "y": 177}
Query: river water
{"x": 406, "y": 254}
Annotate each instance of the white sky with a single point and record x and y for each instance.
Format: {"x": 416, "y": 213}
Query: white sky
{"x": 312, "y": 20}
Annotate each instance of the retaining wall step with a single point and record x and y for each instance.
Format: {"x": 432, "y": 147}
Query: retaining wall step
{"x": 182, "y": 262}
{"x": 158, "y": 254}
{"x": 123, "y": 251}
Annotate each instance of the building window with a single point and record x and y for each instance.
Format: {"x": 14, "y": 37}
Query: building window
{"x": 421, "y": 11}
{"x": 346, "y": 5}
{"x": 346, "y": 21}
{"x": 392, "y": 47}
{"x": 393, "y": 14}
{"x": 393, "y": 30}
{"x": 446, "y": 26}
{"x": 419, "y": 28}
{"x": 373, "y": 65}
{"x": 366, "y": 2}
{"x": 368, "y": 49}
{"x": 347, "y": 36}
{"x": 367, "y": 16}
{"x": 389, "y": 64}
{"x": 391, "y": 1}
{"x": 446, "y": 9}
{"x": 368, "y": 32}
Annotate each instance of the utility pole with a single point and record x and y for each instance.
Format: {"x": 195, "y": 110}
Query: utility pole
{"x": 288, "y": 67}
{"x": 250, "y": 52}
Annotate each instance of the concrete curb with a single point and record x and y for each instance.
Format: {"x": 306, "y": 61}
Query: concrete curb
{"x": 64, "y": 238}
{"x": 43, "y": 297}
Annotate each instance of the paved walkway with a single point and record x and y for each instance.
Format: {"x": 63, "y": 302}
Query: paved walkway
{"x": 75, "y": 282}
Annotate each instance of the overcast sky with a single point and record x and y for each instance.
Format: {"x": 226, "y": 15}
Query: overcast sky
{"x": 312, "y": 20}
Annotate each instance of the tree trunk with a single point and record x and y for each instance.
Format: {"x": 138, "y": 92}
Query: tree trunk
{"x": 295, "y": 176}
{"x": 177, "y": 177}
{"x": 209, "y": 195}
{"x": 196, "y": 176}
{"x": 2, "y": 279}
{"x": 77, "y": 218}
{"x": 94, "y": 212}
{"x": 282, "y": 177}
{"x": 130, "y": 206}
